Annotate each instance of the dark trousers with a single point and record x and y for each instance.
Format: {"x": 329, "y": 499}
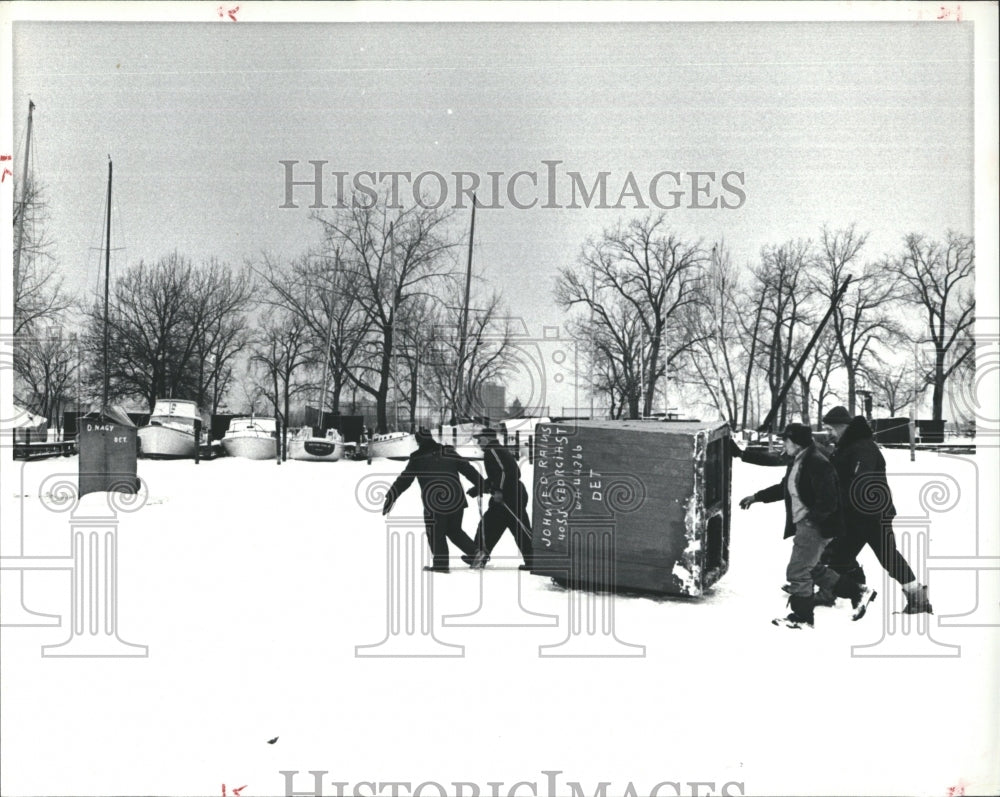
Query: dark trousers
{"x": 499, "y": 517}
{"x": 842, "y": 554}
{"x": 444, "y": 527}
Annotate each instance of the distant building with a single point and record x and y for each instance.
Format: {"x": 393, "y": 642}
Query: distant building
{"x": 493, "y": 401}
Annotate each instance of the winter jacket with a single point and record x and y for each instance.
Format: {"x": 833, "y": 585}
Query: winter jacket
{"x": 502, "y": 473}
{"x": 864, "y": 489}
{"x": 816, "y": 485}
{"x": 436, "y": 469}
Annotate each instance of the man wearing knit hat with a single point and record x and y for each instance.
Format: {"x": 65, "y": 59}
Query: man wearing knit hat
{"x": 868, "y": 508}
{"x": 508, "y": 506}
{"x": 812, "y": 518}
{"x": 436, "y": 469}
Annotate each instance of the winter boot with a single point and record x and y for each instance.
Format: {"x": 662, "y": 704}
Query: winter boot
{"x": 860, "y": 601}
{"x": 480, "y": 560}
{"x": 917, "y": 601}
{"x": 801, "y": 615}
{"x": 824, "y": 597}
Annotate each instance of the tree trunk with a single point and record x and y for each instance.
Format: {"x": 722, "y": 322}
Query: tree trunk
{"x": 633, "y": 405}
{"x": 413, "y": 397}
{"x": 852, "y": 384}
{"x": 338, "y": 384}
{"x": 382, "y": 395}
{"x": 806, "y": 398}
{"x": 939, "y": 380}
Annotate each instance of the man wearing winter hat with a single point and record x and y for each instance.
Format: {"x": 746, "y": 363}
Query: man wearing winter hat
{"x": 812, "y": 518}
{"x": 508, "y": 507}
{"x": 436, "y": 468}
{"x": 868, "y": 508}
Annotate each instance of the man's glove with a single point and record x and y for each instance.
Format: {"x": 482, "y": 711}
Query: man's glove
{"x": 496, "y": 498}
{"x": 472, "y": 492}
{"x": 745, "y": 503}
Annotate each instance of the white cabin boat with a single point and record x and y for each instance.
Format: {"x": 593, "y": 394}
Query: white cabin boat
{"x": 171, "y": 430}
{"x": 306, "y": 446}
{"x": 251, "y": 438}
{"x": 393, "y": 444}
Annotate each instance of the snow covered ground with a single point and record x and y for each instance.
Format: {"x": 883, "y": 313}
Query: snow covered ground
{"x": 253, "y": 586}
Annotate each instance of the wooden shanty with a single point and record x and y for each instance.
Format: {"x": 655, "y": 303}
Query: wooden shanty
{"x": 632, "y": 505}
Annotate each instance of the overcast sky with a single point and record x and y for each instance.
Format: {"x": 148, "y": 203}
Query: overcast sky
{"x": 827, "y": 122}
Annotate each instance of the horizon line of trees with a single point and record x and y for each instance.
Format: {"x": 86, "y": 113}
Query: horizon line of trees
{"x": 653, "y": 308}
{"x": 378, "y": 307}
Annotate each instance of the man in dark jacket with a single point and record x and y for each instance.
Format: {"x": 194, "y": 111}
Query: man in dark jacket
{"x": 812, "y": 518}
{"x": 868, "y": 508}
{"x": 508, "y": 507}
{"x": 844, "y": 584}
{"x": 436, "y": 468}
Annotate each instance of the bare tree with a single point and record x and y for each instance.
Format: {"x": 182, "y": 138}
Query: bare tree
{"x": 816, "y": 374}
{"x": 173, "y": 329}
{"x": 863, "y": 316}
{"x": 893, "y": 388}
{"x": 458, "y": 371}
{"x": 46, "y": 363}
{"x": 717, "y": 357}
{"x": 393, "y": 261}
{"x": 939, "y": 277}
{"x": 38, "y": 288}
{"x": 637, "y": 278}
{"x": 783, "y": 278}
{"x": 217, "y": 317}
{"x": 281, "y": 348}
{"x": 316, "y": 287}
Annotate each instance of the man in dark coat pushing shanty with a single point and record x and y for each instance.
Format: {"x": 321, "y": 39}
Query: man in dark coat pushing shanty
{"x": 812, "y": 518}
{"x": 436, "y": 468}
{"x": 868, "y": 508}
{"x": 508, "y": 507}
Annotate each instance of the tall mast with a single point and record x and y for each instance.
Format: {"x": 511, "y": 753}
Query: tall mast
{"x": 24, "y": 200}
{"x": 107, "y": 277}
{"x": 464, "y": 331}
{"x": 329, "y": 340}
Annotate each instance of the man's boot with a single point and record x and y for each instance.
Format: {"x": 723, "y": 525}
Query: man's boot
{"x": 859, "y": 594}
{"x": 824, "y": 597}
{"x": 917, "y": 601}
{"x": 801, "y": 615}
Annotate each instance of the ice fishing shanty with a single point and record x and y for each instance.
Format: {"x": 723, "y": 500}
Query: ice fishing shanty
{"x": 635, "y": 505}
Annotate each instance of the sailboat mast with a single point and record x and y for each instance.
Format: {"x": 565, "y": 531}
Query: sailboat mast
{"x": 329, "y": 340}
{"x": 107, "y": 290}
{"x": 464, "y": 331}
{"x": 24, "y": 200}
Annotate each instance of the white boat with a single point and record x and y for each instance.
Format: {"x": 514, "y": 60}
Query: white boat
{"x": 393, "y": 444}
{"x": 305, "y": 445}
{"x": 171, "y": 430}
{"x": 251, "y": 438}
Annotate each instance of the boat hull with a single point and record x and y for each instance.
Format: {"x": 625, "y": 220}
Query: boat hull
{"x": 315, "y": 449}
{"x": 251, "y": 447}
{"x": 394, "y": 445}
{"x": 165, "y": 443}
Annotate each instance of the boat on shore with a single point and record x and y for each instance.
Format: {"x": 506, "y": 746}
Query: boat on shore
{"x": 171, "y": 431}
{"x": 306, "y": 445}
{"x": 392, "y": 444}
{"x": 251, "y": 438}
